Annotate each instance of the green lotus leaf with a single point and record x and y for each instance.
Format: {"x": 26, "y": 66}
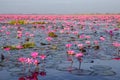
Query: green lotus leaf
{"x": 21, "y": 22}
{"x": 25, "y": 45}
{"x": 52, "y": 34}
{"x": 38, "y": 23}
{"x": 28, "y": 45}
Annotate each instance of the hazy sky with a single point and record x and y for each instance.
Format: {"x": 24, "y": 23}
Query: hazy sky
{"x": 59, "y": 6}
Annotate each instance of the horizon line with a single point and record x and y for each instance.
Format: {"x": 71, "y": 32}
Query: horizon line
{"x": 59, "y": 14}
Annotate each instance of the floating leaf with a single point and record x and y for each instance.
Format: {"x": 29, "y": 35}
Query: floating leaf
{"x": 25, "y": 45}
{"x": 21, "y": 22}
{"x": 118, "y": 26}
{"x": 12, "y": 47}
{"x": 38, "y": 23}
{"x": 96, "y": 47}
{"x": 81, "y": 72}
{"x": 100, "y": 68}
{"x": 29, "y": 45}
{"x": 52, "y": 34}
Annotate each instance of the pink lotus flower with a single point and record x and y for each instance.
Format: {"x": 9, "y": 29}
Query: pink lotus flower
{"x": 49, "y": 39}
{"x": 31, "y": 35}
{"x": 78, "y": 55}
{"x": 29, "y": 78}
{"x": 116, "y": 44}
{"x": 22, "y": 59}
{"x": 79, "y": 58}
{"x": 27, "y": 33}
{"x": 19, "y": 35}
{"x": 21, "y": 78}
{"x": 75, "y": 32}
{"x": 3, "y": 27}
{"x": 36, "y": 62}
{"x": 116, "y": 29}
{"x": 82, "y": 36}
{"x": 19, "y": 32}
{"x": 70, "y": 52}
{"x": 42, "y": 56}
{"x": 80, "y": 45}
{"x": 34, "y": 54}
{"x": 116, "y": 58}
{"x": 102, "y": 38}
{"x": 29, "y": 60}
{"x": 34, "y": 76}
{"x": 19, "y": 46}
{"x": 96, "y": 42}
{"x": 1, "y": 30}
{"x": 61, "y": 31}
{"x": 111, "y": 32}
{"x": 68, "y": 45}
{"x": 7, "y": 49}
{"x": 43, "y": 73}
{"x": 87, "y": 42}
{"x": 7, "y": 33}
{"x": 88, "y": 37}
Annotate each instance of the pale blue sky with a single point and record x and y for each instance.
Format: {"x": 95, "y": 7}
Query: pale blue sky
{"x": 59, "y": 6}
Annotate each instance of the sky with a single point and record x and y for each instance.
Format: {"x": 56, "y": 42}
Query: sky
{"x": 59, "y": 6}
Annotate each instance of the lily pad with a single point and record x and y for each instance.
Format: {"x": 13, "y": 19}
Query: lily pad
{"x": 54, "y": 47}
{"x": 118, "y": 26}
{"x": 104, "y": 73}
{"x": 96, "y": 47}
{"x": 24, "y": 46}
{"x": 81, "y": 72}
{"x": 29, "y": 45}
{"x": 12, "y": 47}
{"x": 42, "y": 43}
{"x": 52, "y": 34}
{"x": 100, "y": 68}
{"x": 21, "y": 22}
{"x": 66, "y": 68}
{"x": 38, "y": 23}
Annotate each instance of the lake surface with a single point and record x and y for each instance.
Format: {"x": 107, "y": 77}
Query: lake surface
{"x": 99, "y": 34}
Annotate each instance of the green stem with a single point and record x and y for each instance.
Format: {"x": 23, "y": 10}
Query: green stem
{"x": 118, "y": 51}
{"x": 71, "y": 63}
{"x": 79, "y": 65}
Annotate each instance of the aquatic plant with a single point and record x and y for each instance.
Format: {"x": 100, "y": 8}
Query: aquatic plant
{"x": 20, "y": 22}
{"x": 52, "y": 34}
{"x": 23, "y": 46}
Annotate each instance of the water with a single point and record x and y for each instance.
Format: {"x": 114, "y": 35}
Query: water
{"x": 97, "y": 65}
